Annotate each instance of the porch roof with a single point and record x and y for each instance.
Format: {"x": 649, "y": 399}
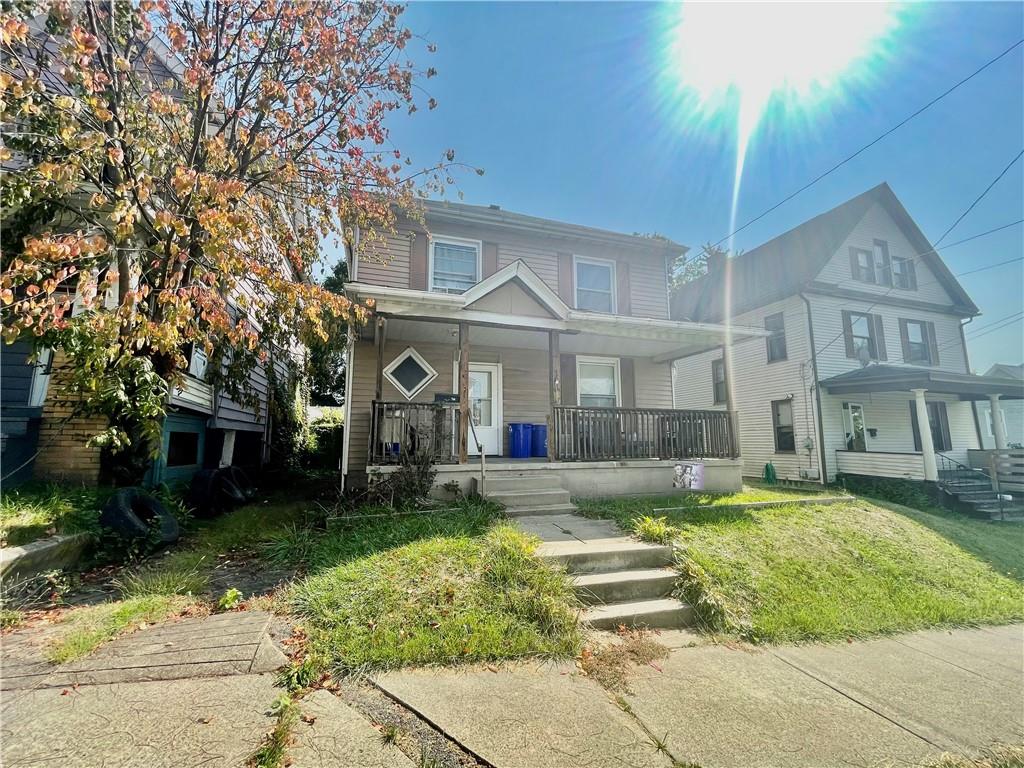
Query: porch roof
{"x": 893, "y": 378}
{"x": 541, "y": 309}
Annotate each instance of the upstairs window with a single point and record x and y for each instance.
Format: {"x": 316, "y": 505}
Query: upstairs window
{"x": 454, "y": 264}
{"x": 873, "y": 266}
{"x": 197, "y": 362}
{"x": 919, "y": 343}
{"x": 776, "y": 325}
{"x": 864, "y": 336}
{"x": 903, "y": 275}
{"x": 862, "y": 265}
{"x": 595, "y": 285}
{"x": 718, "y": 381}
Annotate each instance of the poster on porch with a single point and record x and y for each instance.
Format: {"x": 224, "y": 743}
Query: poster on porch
{"x": 689, "y": 477}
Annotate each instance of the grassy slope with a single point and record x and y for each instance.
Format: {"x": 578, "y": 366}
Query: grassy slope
{"x": 432, "y": 589}
{"x": 796, "y": 573}
{"x": 34, "y": 511}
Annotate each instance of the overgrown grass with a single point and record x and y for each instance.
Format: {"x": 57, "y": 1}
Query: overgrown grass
{"x": 433, "y": 589}
{"x": 272, "y": 753}
{"x": 654, "y": 529}
{"x": 35, "y": 511}
{"x": 89, "y": 627}
{"x": 796, "y": 573}
{"x": 10, "y": 618}
{"x": 997, "y": 756}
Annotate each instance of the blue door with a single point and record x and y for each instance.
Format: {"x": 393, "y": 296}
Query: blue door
{"x": 182, "y": 450}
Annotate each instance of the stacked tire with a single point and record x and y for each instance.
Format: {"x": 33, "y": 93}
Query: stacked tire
{"x": 133, "y": 514}
{"x": 216, "y": 491}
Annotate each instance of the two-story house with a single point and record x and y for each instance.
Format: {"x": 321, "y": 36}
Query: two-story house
{"x": 486, "y": 320}
{"x": 865, "y": 370}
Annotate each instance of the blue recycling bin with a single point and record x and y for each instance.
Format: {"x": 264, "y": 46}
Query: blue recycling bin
{"x": 519, "y": 436}
{"x": 539, "y": 440}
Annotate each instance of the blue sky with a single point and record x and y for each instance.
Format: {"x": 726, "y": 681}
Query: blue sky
{"x": 571, "y": 110}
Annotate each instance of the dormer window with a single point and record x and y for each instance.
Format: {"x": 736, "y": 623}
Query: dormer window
{"x": 595, "y": 285}
{"x": 903, "y": 275}
{"x": 454, "y": 264}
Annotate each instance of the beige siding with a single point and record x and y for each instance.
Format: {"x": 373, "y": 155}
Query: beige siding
{"x": 1013, "y": 415}
{"x": 828, "y": 334}
{"x": 756, "y": 384}
{"x": 543, "y": 261}
{"x": 653, "y": 383}
{"x": 902, "y": 465}
{"x": 648, "y": 293}
{"x": 878, "y": 224}
{"x": 386, "y": 263}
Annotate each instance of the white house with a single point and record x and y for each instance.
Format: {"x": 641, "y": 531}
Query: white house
{"x": 866, "y": 371}
{"x": 1013, "y": 411}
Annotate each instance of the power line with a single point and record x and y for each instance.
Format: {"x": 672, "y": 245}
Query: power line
{"x": 989, "y": 266}
{"x": 891, "y": 289}
{"x": 974, "y": 330}
{"x": 870, "y": 144}
{"x": 979, "y": 198}
{"x": 1002, "y": 322}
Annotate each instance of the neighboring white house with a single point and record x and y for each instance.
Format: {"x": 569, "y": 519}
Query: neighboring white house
{"x": 867, "y": 355}
{"x": 1013, "y": 411}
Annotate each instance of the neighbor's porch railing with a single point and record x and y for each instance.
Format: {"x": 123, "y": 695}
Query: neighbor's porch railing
{"x": 401, "y": 430}
{"x": 594, "y": 434}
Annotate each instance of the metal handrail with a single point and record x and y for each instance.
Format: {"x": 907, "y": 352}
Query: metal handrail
{"x": 480, "y": 452}
{"x": 959, "y": 471}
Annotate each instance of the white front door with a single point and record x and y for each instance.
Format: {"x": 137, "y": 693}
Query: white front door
{"x": 485, "y": 407}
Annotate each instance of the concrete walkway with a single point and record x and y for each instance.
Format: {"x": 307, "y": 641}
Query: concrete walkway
{"x": 891, "y": 701}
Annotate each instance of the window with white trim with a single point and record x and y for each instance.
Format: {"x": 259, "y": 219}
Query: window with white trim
{"x": 409, "y": 373}
{"x": 197, "y": 362}
{"x": 989, "y": 425}
{"x": 597, "y": 382}
{"x": 595, "y": 284}
{"x": 454, "y": 264}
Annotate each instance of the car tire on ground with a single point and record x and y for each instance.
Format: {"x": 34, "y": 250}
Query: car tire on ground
{"x": 132, "y": 514}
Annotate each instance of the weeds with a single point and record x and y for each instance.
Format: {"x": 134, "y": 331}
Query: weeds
{"x": 179, "y": 574}
{"x": 229, "y": 600}
{"x": 996, "y": 756}
{"x": 34, "y": 511}
{"x": 272, "y": 752}
{"x": 654, "y": 529}
{"x": 9, "y": 618}
{"x": 389, "y": 733}
{"x": 298, "y": 676}
{"x": 612, "y": 664}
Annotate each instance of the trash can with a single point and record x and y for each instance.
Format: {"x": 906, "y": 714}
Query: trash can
{"x": 539, "y": 440}
{"x": 519, "y": 436}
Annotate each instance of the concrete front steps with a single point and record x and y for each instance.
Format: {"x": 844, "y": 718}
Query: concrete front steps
{"x": 622, "y": 581}
{"x": 535, "y": 493}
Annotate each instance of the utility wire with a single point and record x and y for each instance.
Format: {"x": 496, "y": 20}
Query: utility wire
{"x": 872, "y": 143}
{"x": 979, "y": 198}
{"x": 989, "y": 266}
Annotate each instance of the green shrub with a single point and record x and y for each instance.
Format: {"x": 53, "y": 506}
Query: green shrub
{"x": 654, "y": 529}
{"x": 909, "y": 493}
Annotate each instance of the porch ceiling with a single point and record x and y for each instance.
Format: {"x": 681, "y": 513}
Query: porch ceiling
{"x": 891, "y": 378}
{"x": 422, "y": 316}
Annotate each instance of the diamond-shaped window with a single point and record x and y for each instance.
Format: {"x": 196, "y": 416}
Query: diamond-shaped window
{"x": 410, "y": 373}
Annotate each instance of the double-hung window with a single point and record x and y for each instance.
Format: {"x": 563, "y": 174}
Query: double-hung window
{"x": 862, "y": 265}
{"x": 597, "y": 382}
{"x": 776, "y": 325}
{"x": 864, "y": 335}
{"x": 454, "y": 264}
{"x": 595, "y": 284}
{"x": 920, "y": 346}
{"x": 903, "y": 274}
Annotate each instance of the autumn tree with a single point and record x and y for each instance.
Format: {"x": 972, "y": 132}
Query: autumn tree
{"x": 687, "y": 268}
{"x": 172, "y": 168}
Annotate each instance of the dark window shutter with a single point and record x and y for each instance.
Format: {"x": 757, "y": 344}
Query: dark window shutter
{"x": 848, "y": 334}
{"x": 947, "y": 442}
{"x": 854, "y": 269}
{"x": 914, "y": 426}
{"x": 905, "y": 340}
{"x": 933, "y": 344}
{"x": 911, "y": 274}
{"x": 879, "y": 334}
{"x": 418, "y": 262}
{"x": 568, "y": 370}
{"x": 623, "y": 303}
{"x": 489, "y": 262}
{"x": 885, "y": 278}
{"x": 565, "y": 279}
{"x": 628, "y": 377}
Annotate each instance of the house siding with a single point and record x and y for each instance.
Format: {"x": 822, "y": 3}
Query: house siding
{"x": 1013, "y": 415}
{"x": 877, "y": 224}
{"x": 387, "y": 262}
{"x": 756, "y": 383}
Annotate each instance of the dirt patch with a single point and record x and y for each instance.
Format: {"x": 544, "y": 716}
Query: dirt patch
{"x": 613, "y": 663}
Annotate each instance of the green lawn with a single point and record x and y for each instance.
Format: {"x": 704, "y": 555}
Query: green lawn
{"x": 431, "y": 589}
{"x": 827, "y": 572}
{"x": 35, "y": 511}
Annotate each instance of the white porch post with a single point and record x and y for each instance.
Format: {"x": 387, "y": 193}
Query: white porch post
{"x": 924, "y": 429}
{"x": 998, "y": 428}
{"x": 227, "y": 451}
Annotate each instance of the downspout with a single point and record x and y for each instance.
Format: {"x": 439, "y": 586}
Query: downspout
{"x": 822, "y": 466}
{"x": 967, "y": 369}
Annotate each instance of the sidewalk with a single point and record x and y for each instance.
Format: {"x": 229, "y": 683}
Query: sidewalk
{"x": 903, "y": 700}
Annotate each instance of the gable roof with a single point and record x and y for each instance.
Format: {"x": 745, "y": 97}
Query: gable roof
{"x": 518, "y": 273}
{"x": 1006, "y": 371}
{"x": 786, "y": 264}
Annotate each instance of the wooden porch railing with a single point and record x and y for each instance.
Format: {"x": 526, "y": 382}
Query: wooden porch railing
{"x": 401, "y": 430}
{"x": 594, "y": 434}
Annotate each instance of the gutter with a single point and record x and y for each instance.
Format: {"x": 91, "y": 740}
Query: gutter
{"x": 822, "y": 466}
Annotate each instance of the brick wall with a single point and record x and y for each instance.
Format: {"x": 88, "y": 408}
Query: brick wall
{"x": 63, "y": 453}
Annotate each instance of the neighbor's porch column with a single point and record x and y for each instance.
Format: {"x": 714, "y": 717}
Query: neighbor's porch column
{"x": 555, "y": 389}
{"x": 998, "y": 428}
{"x": 227, "y": 451}
{"x": 463, "y": 393}
{"x": 924, "y": 429}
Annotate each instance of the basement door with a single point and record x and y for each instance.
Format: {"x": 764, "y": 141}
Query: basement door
{"x": 485, "y": 407}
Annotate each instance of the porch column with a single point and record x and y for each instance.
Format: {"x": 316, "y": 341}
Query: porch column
{"x": 555, "y": 389}
{"x": 924, "y": 429}
{"x": 463, "y": 393}
{"x": 227, "y": 451}
{"x": 998, "y": 428}
{"x": 379, "y": 332}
